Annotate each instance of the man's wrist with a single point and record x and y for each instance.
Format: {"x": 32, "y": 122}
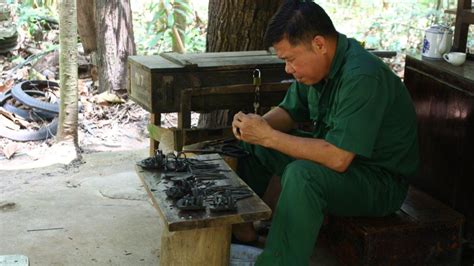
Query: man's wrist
{"x": 271, "y": 140}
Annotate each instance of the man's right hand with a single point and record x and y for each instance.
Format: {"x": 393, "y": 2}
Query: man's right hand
{"x": 252, "y": 128}
{"x": 235, "y": 130}
{"x": 277, "y": 118}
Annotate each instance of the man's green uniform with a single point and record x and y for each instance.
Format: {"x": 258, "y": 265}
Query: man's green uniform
{"x": 361, "y": 107}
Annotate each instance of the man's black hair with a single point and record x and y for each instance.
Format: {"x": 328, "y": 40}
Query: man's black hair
{"x": 298, "y": 21}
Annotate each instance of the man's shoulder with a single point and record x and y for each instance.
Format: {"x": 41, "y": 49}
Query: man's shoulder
{"x": 359, "y": 61}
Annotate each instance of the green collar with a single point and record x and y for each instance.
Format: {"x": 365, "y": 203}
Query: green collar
{"x": 341, "y": 48}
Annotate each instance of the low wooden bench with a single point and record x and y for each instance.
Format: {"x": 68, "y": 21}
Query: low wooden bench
{"x": 199, "y": 237}
{"x": 423, "y": 232}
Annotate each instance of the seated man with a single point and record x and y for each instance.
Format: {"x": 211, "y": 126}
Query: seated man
{"x": 360, "y": 151}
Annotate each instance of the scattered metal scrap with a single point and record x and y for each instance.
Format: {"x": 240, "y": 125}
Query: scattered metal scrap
{"x": 193, "y": 184}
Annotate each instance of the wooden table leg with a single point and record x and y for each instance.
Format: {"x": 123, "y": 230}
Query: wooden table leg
{"x": 184, "y": 118}
{"x": 207, "y": 246}
{"x": 155, "y": 119}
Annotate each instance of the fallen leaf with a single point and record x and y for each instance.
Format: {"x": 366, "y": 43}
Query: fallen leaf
{"x": 12, "y": 121}
{"x": 6, "y": 85}
{"x": 10, "y": 149}
{"x": 107, "y": 97}
{"x": 6, "y": 122}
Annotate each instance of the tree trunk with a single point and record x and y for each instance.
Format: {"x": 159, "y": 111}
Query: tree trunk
{"x": 86, "y": 25}
{"x": 67, "y": 124}
{"x": 235, "y": 26}
{"x": 114, "y": 43}
{"x": 238, "y": 25}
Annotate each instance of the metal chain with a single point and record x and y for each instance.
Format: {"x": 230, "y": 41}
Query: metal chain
{"x": 257, "y": 81}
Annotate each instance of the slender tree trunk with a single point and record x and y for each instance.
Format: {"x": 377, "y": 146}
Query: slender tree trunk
{"x": 68, "y": 121}
{"x": 115, "y": 43}
{"x": 179, "y": 28}
{"x": 235, "y": 26}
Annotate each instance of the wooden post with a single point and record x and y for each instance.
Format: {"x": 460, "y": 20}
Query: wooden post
{"x": 464, "y": 17}
{"x": 184, "y": 118}
{"x": 205, "y": 246}
{"x": 155, "y": 119}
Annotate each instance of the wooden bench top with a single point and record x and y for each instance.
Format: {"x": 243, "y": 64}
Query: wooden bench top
{"x": 418, "y": 210}
{"x": 248, "y": 210}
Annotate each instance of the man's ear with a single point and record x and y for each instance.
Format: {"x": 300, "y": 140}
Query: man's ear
{"x": 319, "y": 43}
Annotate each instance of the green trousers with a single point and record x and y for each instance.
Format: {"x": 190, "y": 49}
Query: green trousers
{"x": 309, "y": 190}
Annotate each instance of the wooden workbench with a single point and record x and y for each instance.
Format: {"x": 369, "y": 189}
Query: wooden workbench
{"x": 199, "y": 237}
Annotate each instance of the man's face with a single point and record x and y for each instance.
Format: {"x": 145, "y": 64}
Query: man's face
{"x": 308, "y": 63}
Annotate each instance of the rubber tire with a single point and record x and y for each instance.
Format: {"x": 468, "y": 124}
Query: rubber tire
{"x": 28, "y": 135}
{"x": 28, "y": 115}
{"x": 18, "y": 91}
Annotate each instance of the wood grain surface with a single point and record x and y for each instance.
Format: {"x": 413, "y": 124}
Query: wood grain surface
{"x": 248, "y": 210}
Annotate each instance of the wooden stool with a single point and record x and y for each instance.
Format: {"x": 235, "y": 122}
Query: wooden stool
{"x": 199, "y": 237}
{"x": 423, "y": 232}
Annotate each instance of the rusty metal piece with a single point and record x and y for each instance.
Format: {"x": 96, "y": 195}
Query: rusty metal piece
{"x": 223, "y": 202}
{"x": 154, "y": 162}
{"x": 191, "y": 203}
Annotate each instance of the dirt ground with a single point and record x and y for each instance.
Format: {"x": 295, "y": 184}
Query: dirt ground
{"x": 92, "y": 212}
{"x": 101, "y": 129}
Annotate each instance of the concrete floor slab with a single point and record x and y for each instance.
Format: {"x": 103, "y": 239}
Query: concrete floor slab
{"x": 95, "y": 213}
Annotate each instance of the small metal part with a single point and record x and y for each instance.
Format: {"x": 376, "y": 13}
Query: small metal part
{"x": 154, "y": 162}
{"x": 191, "y": 203}
{"x": 223, "y": 203}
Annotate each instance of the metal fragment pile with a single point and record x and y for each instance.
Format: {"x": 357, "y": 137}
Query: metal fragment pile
{"x": 193, "y": 183}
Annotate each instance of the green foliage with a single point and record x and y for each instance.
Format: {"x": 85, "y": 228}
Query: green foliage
{"x": 195, "y": 40}
{"x": 153, "y": 27}
{"x": 380, "y": 24}
{"x": 389, "y": 24}
{"x": 35, "y": 20}
{"x": 50, "y": 5}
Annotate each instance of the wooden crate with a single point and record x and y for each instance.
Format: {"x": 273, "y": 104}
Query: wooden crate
{"x": 423, "y": 232}
{"x": 156, "y": 82}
